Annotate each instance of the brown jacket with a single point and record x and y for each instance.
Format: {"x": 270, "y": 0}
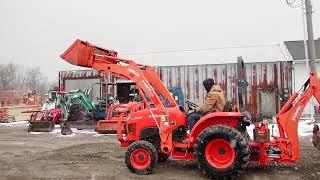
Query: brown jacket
{"x": 214, "y": 101}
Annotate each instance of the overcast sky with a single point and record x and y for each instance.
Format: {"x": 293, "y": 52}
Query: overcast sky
{"x": 36, "y": 32}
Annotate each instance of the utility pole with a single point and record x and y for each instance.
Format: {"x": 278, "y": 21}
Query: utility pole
{"x": 311, "y": 46}
{"x": 305, "y": 36}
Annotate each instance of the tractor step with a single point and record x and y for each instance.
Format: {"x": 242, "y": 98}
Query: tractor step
{"x": 41, "y": 126}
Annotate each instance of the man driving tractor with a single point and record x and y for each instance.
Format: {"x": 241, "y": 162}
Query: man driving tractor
{"x": 214, "y": 102}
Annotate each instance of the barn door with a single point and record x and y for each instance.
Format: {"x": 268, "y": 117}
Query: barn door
{"x": 267, "y": 105}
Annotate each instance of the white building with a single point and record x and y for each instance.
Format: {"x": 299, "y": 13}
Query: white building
{"x": 296, "y": 54}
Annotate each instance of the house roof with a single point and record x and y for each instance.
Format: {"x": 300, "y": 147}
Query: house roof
{"x": 253, "y": 54}
{"x": 297, "y": 51}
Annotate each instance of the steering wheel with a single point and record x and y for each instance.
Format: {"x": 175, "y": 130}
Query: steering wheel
{"x": 191, "y": 105}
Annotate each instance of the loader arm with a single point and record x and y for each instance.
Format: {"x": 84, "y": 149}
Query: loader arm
{"x": 289, "y": 116}
{"x": 146, "y": 79}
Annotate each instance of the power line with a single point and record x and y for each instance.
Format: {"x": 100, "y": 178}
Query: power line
{"x": 196, "y": 50}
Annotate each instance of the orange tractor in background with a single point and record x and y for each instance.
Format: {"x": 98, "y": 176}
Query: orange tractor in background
{"x": 5, "y": 117}
{"x": 14, "y": 101}
{"x": 18, "y": 98}
{"x": 218, "y": 142}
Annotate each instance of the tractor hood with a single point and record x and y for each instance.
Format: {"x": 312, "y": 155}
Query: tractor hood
{"x": 82, "y": 53}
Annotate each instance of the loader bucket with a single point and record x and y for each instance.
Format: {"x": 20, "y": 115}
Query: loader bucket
{"x": 41, "y": 126}
{"x": 79, "y": 53}
{"x": 82, "y": 53}
{"x": 84, "y": 124}
{"x": 107, "y": 126}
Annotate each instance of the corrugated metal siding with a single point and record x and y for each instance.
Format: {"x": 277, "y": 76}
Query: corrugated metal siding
{"x": 273, "y": 75}
{"x": 72, "y": 84}
{"x": 66, "y": 77}
{"x": 269, "y": 75}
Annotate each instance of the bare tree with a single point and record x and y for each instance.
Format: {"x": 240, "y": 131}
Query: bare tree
{"x": 8, "y": 74}
{"x": 15, "y": 77}
{"x": 32, "y": 78}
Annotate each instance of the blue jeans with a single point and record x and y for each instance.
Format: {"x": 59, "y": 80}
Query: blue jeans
{"x": 193, "y": 119}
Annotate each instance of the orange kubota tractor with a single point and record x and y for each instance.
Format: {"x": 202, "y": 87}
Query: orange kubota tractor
{"x": 218, "y": 142}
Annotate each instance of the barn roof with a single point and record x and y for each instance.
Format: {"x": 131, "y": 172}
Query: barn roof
{"x": 250, "y": 54}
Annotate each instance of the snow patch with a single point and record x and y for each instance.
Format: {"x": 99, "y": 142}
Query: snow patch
{"x": 305, "y": 128}
{"x": 35, "y": 133}
{"x": 71, "y": 135}
{"x": 13, "y": 124}
{"x": 76, "y": 132}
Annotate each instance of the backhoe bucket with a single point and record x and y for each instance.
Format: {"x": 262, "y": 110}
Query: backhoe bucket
{"x": 316, "y": 137}
{"x": 82, "y": 53}
{"x": 41, "y": 126}
{"x": 65, "y": 128}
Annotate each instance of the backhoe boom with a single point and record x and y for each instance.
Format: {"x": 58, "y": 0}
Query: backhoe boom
{"x": 289, "y": 116}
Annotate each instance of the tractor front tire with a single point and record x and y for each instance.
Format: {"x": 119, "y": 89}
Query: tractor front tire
{"x": 221, "y": 152}
{"x": 141, "y": 157}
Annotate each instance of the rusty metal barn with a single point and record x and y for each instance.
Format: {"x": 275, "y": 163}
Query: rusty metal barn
{"x": 84, "y": 79}
{"x": 269, "y": 83}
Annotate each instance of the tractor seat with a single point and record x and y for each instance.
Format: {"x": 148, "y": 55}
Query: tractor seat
{"x": 228, "y": 107}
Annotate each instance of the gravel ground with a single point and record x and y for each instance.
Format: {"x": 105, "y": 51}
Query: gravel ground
{"x": 87, "y": 155}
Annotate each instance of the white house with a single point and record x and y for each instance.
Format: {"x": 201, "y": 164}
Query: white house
{"x": 296, "y": 53}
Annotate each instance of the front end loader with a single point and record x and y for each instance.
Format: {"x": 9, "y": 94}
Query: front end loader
{"x": 44, "y": 120}
{"x": 218, "y": 142}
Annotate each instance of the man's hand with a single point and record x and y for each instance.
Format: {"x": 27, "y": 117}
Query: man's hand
{"x": 190, "y": 112}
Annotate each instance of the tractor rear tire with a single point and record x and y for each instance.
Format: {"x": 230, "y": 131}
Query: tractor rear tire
{"x": 141, "y": 157}
{"x": 221, "y": 152}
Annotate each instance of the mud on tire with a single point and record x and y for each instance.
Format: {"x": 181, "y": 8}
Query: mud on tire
{"x": 221, "y": 152}
{"x": 141, "y": 157}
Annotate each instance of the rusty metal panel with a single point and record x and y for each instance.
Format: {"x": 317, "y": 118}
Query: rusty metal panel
{"x": 66, "y": 77}
{"x": 268, "y": 75}
{"x": 276, "y": 76}
{"x": 267, "y": 102}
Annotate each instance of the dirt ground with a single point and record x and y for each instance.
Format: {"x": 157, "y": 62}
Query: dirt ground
{"x": 87, "y": 155}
